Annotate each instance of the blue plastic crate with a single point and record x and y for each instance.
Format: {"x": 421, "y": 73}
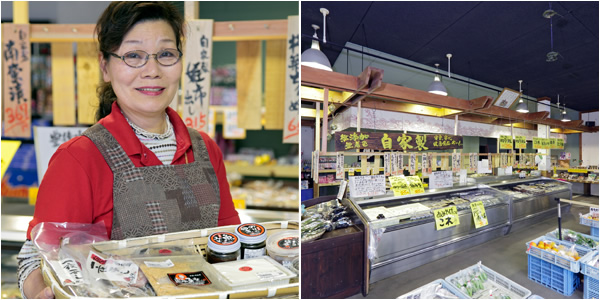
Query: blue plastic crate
{"x": 553, "y": 257}
{"x": 594, "y": 231}
{"x": 552, "y": 276}
{"x": 590, "y": 288}
{"x": 554, "y": 234}
{"x": 495, "y": 279}
{"x": 584, "y": 220}
{"x": 586, "y": 265}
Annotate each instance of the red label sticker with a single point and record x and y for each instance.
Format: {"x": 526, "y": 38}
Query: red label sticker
{"x": 245, "y": 269}
{"x": 165, "y": 251}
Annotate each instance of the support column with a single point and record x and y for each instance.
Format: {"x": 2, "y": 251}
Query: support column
{"x": 544, "y": 132}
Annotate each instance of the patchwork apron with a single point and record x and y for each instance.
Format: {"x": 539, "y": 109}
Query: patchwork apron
{"x": 159, "y": 199}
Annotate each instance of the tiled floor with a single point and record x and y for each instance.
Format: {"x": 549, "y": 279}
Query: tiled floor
{"x": 505, "y": 255}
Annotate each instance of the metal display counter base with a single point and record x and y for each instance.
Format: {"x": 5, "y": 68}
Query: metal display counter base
{"x": 432, "y": 253}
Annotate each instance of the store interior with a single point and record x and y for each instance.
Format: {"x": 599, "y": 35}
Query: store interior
{"x": 397, "y": 92}
{"x": 262, "y": 168}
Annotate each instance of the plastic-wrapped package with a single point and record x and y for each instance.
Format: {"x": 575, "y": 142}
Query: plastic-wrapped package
{"x": 430, "y": 291}
{"x": 374, "y": 242}
{"x": 256, "y": 272}
{"x": 180, "y": 275}
{"x": 67, "y": 249}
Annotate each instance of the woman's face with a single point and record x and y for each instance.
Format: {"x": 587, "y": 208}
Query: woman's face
{"x": 148, "y": 90}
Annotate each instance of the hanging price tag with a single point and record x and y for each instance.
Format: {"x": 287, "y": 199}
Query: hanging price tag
{"x": 446, "y": 217}
{"x": 399, "y": 185}
{"x": 424, "y": 164}
{"x": 412, "y": 164}
{"x": 478, "y": 212}
{"x": 386, "y": 164}
{"x": 339, "y": 166}
{"x": 400, "y": 164}
{"x": 520, "y": 142}
{"x": 432, "y": 163}
{"x": 456, "y": 162}
{"x": 506, "y": 142}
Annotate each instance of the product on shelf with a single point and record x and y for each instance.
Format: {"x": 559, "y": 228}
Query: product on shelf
{"x": 562, "y": 250}
{"x": 576, "y": 237}
{"x": 284, "y": 246}
{"x": 253, "y": 273}
{"x": 323, "y": 217}
{"x": 267, "y": 193}
{"x": 438, "y": 289}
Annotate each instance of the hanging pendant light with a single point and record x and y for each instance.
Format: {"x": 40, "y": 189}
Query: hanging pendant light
{"x": 313, "y": 57}
{"x": 522, "y": 106}
{"x": 565, "y": 118}
{"x": 437, "y": 87}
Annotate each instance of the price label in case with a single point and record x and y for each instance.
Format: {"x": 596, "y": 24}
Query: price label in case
{"x": 446, "y": 217}
{"x": 478, "y": 212}
{"x": 594, "y": 211}
{"x": 399, "y": 185}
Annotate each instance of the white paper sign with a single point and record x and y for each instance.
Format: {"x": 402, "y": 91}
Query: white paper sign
{"x": 47, "y": 140}
{"x": 412, "y": 164}
{"x": 456, "y": 162}
{"x": 291, "y": 125}
{"x": 197, "y": 74}
{"x": 367, "y": 186}
{"x": 315, "y": 166}
{"x": 394, "y": 164}
{"x": 462, "y": 176}
{"x": 339, "y": 166}
{"x": 483, "y": 167}
{"x": 230, "y": 124}
{"x": 440, "y": 179}
{"x": 386, "y": 164}
{"x": 342, "y": 190}
{"x": 594, "y": 211}
{"x": 424, "y": 164}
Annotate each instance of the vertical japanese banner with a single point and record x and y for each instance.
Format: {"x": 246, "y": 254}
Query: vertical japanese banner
{"x": 291, "y": 121}
{"x": 400, "y": 164}
{"x": 393, "y": 168}
{"x": 432, "y": 163}
{"x": 63, "y": 84}
{"x": 16, "y": 85}
{"x": 386, "y": 164}
{"x": 197, "y": 74}
{"x": 412, "y": 164}
{"x": 339, "y": 166}
{"x": 424, "y": 164}
{"x": 88, "y": 78}
{"x": 456, "y": 162}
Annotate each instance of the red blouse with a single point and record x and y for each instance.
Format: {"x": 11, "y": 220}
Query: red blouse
{"x": 78, "y": 185}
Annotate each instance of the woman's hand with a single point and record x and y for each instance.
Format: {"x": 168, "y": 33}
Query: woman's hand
{"x": 35, "y": 288}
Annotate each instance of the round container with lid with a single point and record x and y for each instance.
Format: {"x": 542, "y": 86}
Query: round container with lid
{"x": 283, "y": 246}
{"x": 222, "y": 247}
{"x": 253, "y": 238}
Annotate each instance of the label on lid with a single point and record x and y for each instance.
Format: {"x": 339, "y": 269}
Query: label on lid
{"x": 224, "y": 238}
{"x": 190, "y": 278}
{"x": 251, "y": 229}
{"x": 288, "y": 243}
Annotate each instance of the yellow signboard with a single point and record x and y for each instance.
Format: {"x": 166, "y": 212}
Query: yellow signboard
{"x": 537, "y": 143}
{"x": 399, "y": 185}
{"x": 446, "y": 217}
{"x": 520, "y": 142}
{"x": 560, "y": 144}
{"x": 478, "y": 212}
{"x": 506, "y": 142}
{"x": 416, "y": 186}
{"x": 9, "y": 148}
{"x": 552, "y": 143}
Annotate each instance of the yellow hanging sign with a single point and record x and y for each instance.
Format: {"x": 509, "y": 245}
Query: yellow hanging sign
{"x": 416, "y": 186}
{"x": 538, "y": 143}
{"x": 399, "y": 185}
{"x": 506, "y": 142}
{"x": 478, "y": 212}
{"x": 560, "y": 144}
{"x": 446, "y": 217}
{"x": 520, "y": 142}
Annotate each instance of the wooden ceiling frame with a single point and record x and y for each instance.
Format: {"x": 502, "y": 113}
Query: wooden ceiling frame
{"x": 398, "y": 94}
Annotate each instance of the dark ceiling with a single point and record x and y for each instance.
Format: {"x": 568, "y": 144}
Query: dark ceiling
{"x": 494, "y": 42}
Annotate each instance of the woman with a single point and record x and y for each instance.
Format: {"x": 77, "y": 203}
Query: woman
{"x": 139, "y": 169}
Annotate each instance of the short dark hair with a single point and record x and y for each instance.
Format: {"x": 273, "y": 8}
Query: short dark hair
{"x": 116, "y": 21}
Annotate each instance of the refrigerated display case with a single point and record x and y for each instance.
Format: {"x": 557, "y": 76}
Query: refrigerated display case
{"x": 410, "y": 237}
{"x": 404, "y": 226}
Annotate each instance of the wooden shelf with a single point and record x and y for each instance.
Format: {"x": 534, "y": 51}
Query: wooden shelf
{"x": 328, "y": 184}
{"x": 264, "y": 171}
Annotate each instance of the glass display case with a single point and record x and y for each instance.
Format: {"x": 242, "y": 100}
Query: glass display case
{"x": 405, "y": 230}
{"x": 532, "y": 198}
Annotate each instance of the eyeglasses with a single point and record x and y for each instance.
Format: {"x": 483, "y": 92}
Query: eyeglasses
{"x": 139, "y": 58}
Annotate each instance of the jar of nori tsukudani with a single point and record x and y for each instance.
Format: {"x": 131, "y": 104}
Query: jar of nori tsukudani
{"x": 283, "y": 246}
{"x": 222, "y": 247}
{"x": 253, "y": 239}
